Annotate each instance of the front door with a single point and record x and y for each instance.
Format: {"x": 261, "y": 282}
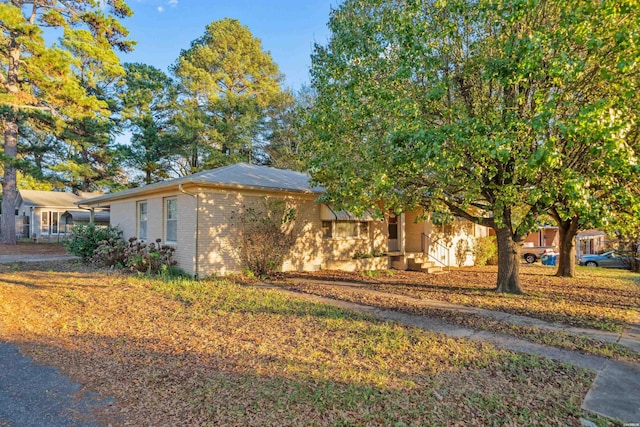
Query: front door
{"x": 49, "y": 223}
{"x": 393, "y": 233}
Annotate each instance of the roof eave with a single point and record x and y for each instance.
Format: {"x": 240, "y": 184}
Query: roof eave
{"x": 100, "y": 201}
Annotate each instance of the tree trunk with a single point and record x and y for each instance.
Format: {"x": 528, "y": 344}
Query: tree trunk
{"x": 508, "y": 261}
{"x": 635, "y": 257}
{"x": 9, "y": 187}
{"x": 9, "y": 182}
{"x": 567, "y": 258}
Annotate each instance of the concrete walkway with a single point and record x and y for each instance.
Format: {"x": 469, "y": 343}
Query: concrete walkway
{"x": 615, "y": 392}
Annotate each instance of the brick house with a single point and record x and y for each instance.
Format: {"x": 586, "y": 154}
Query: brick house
{"x": 197, "y": 214}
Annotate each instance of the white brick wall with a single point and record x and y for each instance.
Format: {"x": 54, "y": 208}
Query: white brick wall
{"x": 124, "y": 215}
{"x": 218, "y": 231}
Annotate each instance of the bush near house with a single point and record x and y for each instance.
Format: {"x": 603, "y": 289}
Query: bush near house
{"x": 86, "y": 238}
{"x": 485, "y": 251}
{"x": 104, "y": 246}
{"x": 153, "y": 258}
{"x": 266, "y": 235}
{"x": 462, "y": 247}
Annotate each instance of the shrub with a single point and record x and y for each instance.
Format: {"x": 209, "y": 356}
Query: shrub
{"x": 110, "y": 253}
{"x": 85, "y": 239}
{"x": 266, "y": 235}
{"x": 373, "y": 254}
{"x": 462, "y": 247}
{"x": 153, "y": 258}
{"x": 485, "y": 251}
{"x": 370, "y": 273}
{"x": 361, "y": 255}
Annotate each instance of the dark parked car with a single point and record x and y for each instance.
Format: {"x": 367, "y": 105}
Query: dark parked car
{"x": 611, "y": 259}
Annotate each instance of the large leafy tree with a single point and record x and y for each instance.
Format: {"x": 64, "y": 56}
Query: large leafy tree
{"x": 48, "y": 83}
{"x": 597, "y": 138}
{"x": 231, "y": 82}
{"x": 462, "y": 108}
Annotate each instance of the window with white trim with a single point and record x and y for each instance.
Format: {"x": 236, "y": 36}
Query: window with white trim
{"x": 345, "y": 229}
{"x": 49, "y": 221}
{"x": 171, "y": 220}
{"x": 142, "y": 220}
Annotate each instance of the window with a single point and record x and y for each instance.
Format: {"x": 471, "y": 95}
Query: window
{"x": 326, "y": 230}
{"x": 49, "y": 222}
{"x": 142, "y": 220}
{"x": 393, "y": 227}
{"x": 345, "y": 229}
{"x": 44, "y": 223}
{"x": 171, "y": 221}
{"x": 363, "y": 229}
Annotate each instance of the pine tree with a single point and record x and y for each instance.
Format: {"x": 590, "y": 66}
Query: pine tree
{"x": 50, "y": 82}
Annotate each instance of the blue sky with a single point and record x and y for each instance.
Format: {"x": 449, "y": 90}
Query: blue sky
{"x": 287, "y": 28}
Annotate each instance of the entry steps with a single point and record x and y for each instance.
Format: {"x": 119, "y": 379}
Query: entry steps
{"x": 415, "y": 262}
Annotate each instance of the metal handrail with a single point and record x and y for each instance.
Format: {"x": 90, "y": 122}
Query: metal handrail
{"x": 432, "y": 257}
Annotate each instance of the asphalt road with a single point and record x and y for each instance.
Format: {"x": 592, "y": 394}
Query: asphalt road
{"x": 37, "y": 395}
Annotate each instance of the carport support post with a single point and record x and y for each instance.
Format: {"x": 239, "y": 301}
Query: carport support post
{"x": 92, "y": 216}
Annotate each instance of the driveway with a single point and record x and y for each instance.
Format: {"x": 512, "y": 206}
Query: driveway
{"x": 37, "y": 395}
{"x": 10, "y": 259}
{"x": 33, "y": 252}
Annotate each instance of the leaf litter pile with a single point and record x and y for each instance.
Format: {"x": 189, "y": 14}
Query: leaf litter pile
{"x": 218, "y": 353}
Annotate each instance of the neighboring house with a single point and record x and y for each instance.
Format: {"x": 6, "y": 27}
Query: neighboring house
{"x": 40, "y": 213}
{"x": 590, "y": 242}
{"x": 198, "y": 215}
{"x": 77, "y": 217}
{"x": 546, "y": 236}
{"x": 537, "y": 243}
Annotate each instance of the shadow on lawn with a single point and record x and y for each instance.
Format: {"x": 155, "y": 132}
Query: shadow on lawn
{"x": 48, "y": 280}
{"x": 169, "y": 382}
{"x": 373, "y": 281}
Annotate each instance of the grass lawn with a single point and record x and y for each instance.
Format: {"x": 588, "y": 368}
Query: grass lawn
{"x": 218, "y": 353}
{"x": 605, "y": 299}
{"x": 598, "y": 298}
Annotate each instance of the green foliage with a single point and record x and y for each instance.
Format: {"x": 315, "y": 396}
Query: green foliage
{"x": 86, "y": 238}
{"x": 110, "y": 252}
{"x": 152, "y": 258}
{"x": 267, "y": 234}
{"x": 371, "y": 254}
{"x": 286, "y": 132}
{"x": 485, "y": 251}
{"x": 229, "y": 87}
{"x": 491, "y": 111}
{"x": 370, "y": 273}
{"x": 149, "y": 101}
{"x": 58, "y": 88}
{"x": 137, "y": 256}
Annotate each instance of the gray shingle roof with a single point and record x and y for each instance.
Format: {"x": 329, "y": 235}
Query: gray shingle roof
{"x": 240, "y": 175}
{"x": 52, "y": 199}
{"x": 248, "y": 175}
